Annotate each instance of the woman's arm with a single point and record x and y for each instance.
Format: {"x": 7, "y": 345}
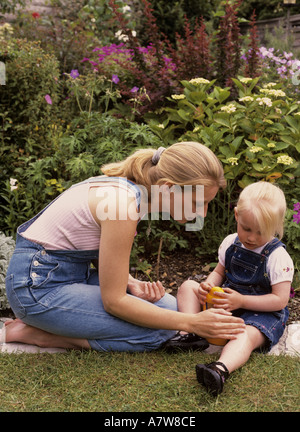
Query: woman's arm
{"x": 114, "y": 254}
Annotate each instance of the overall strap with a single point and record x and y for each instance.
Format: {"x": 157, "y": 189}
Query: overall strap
{"x": 271, "y": 246}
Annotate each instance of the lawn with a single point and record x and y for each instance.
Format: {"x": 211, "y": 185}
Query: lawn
{"x": 142, "y": 382}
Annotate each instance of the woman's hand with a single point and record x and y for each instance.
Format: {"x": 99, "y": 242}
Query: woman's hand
{"x": 216, "y": 323}
{"x": 150, "y": 291}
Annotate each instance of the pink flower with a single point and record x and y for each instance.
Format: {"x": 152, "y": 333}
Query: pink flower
{"x": 48, "y": 99}
{"x": 115, "y": 79}
{"x": 36, "y": 15}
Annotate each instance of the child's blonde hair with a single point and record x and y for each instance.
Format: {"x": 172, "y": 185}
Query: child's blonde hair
{"x": 267, "y": 204}
{"x": 184, "y": 163}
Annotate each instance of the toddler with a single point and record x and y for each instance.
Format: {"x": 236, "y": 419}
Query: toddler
{"x": 255, "y": 272}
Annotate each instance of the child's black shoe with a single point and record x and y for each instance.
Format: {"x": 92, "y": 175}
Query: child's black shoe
{"x": 186, "y": 342}
{"x": 212, "y": 377}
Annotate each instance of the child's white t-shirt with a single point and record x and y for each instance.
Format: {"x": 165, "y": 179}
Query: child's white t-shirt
{"x": 280, "y": 267}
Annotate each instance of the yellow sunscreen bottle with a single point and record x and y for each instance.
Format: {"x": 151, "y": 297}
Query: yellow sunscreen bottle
{"x": 209, "y": 304}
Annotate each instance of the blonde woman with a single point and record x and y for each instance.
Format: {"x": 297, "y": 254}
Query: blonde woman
{"x": 60, "y": 301}
{"x": 256, "y": 272}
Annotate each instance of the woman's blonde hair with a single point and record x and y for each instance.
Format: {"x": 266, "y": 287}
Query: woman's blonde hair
{"x": 267, "y": 204}
{"x": 184, "y": 163}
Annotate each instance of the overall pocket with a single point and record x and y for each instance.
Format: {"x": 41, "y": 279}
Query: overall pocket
{"x": 243, "y": 271}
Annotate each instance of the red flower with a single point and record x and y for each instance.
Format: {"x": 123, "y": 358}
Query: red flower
{"x": 36, "y": 15}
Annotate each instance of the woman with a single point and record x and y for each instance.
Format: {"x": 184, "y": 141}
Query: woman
{"x": 55, "y": 294}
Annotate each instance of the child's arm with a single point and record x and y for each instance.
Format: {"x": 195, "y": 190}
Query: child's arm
{"x": 272, "y": 302}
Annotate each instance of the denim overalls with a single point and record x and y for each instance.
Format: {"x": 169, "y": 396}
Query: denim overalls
{"x": 246, "y": 272}
{"x": 58, "y": 291}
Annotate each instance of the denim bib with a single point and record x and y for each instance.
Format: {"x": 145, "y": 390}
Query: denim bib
{"x": 246, "y": 271}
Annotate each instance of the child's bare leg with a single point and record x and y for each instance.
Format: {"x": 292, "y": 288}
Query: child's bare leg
{"x": 237, "y": 351}
{"x": 187, "y": 299}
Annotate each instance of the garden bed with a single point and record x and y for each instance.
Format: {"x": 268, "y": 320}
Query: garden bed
{"x": 177, "y": 267}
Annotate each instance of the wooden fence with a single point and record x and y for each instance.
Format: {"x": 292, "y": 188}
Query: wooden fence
{"x": 270, "y": 25}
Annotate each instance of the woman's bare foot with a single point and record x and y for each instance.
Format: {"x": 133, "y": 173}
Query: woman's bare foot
{"x": 17, "y": 331}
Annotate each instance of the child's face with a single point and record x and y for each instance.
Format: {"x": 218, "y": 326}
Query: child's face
{"x": 248, "y": 230}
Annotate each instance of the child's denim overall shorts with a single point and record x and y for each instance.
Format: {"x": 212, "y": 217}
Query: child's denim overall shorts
{"x": 246, "y": 272}
{"x": 58, "y": 291}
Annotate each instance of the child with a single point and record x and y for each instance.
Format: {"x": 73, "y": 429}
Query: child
{"x": 256, "y": 273}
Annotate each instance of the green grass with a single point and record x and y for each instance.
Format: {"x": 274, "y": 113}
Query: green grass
{"x": 142, "y": 382}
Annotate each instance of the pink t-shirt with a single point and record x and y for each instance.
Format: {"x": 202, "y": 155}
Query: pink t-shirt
{"x": 68, "y": 224}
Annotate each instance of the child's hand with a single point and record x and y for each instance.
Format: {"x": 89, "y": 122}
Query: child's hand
{"x": 203, "y": 290}
{"x": 229, "y": 300}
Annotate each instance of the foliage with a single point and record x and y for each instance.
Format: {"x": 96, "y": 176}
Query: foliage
{"x": 91, "y": 140}
{"x": 7, "y": 246}
{"x": 26, "y": 116}
{"x": 159, "y": 67}
{"x": 9, "y": 6}
{"x": 256, "y": 137}
{"x": 292, "y": 231}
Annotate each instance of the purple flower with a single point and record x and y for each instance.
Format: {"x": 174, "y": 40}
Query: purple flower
{"x": 48, "y": 99}
{"x": 296, "y": 218}
{"x": 115, "y": 79}
{"x": 292, "y": 293}
{"x": 74, "y": 73}
{"x": 134, "y": 89}
{"x": 297, "y": 207}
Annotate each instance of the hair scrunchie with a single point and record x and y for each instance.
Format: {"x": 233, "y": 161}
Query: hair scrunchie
{"x": 157, "y": 155}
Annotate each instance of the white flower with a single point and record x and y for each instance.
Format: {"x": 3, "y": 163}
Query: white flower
{"x": 126, "y": 9}
{"x": 228, "y": 108}
{"x": 264, "y": 101}
{"x": 12, "y": 183}
{"x": 246, "y": 99}
{"x": 273, "y": 92}
{"x": 271, "y": 145}
{"x": 199, "y": 81}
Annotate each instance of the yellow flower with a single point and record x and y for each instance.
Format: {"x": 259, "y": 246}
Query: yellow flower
{"x": 233, "y": 160}
{"x": 177, "y": 97}
{"x": 285, "y": 160}
{"x": 256, "y": 149}
{"x": 271, "y": 145}
{"x": 271, "y": 84}
{"x": 245, "y": 80}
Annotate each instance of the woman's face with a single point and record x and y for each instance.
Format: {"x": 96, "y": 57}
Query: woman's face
{"x": 186, "y": 205}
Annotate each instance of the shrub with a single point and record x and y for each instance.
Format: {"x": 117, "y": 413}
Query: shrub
{"x": 31, "y": 75}
{"x": 7, "y": 246}
{"x": 256, "y": 137}
{"x": 92, "y": 140}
